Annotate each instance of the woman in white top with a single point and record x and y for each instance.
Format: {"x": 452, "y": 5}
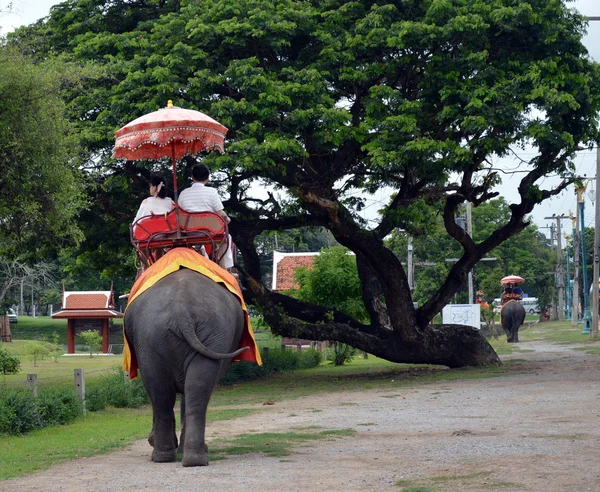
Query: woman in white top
{"x": 158, "y": 202}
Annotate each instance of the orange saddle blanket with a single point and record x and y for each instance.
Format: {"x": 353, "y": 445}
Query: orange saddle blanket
{"x": 188, "y": 258}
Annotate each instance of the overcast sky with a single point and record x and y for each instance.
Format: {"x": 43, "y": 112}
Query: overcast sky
{"x": 28, "y": 11}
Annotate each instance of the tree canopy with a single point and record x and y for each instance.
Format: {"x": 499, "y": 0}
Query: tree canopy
{"x": 40, "y": 183}
{"x": 328, "y": 101}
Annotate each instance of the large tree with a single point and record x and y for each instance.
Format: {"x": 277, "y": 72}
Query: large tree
{"x": 328, "y": 101}
{"x": 40, "y": 181}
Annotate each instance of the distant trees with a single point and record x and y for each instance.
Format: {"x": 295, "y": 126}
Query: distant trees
{"x": 527, "y": 254}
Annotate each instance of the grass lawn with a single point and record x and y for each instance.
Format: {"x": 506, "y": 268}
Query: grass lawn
{"x": 103, "y": 431}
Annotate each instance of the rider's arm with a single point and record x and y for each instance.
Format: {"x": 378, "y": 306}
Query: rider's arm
{"x": 224, "y": 216}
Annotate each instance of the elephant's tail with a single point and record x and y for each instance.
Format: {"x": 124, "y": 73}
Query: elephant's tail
{"x": 191, "y": 337}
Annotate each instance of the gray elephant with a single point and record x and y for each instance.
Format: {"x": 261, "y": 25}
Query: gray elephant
{"x": 512, "y": 315}
{"x": 184, "y": 330}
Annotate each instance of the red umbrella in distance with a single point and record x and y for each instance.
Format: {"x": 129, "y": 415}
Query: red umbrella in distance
{"x": 169, "y": 132}
{"x": 512, "y": 279}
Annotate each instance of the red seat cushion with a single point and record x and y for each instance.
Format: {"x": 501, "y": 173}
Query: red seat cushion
{"x": 149, "y": 225}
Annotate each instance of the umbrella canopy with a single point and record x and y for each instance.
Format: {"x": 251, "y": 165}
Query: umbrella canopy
{"x": 169, "y": 132}
{"x": 512, "y": 279}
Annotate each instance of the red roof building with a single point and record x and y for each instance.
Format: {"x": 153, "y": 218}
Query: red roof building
{"x": 285, "y": 266}
{"x": 284, "y": 270}
{"x": 87, "y": 310}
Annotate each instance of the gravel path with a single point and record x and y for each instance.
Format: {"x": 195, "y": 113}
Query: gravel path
{"x": 535, "y": 430}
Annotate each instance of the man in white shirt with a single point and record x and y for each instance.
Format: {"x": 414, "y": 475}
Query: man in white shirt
{"x": 201, "y": 198}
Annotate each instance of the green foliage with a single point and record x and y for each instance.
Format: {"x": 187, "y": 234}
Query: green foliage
{"x": 21, "y": 412}
{"x": 58, "y": 407}
{"x": 37, "y": 350}
{"x": 280, "y": 360}
{"x": 9, "y": 364}
{"x": 242, "y": 371}
{"x": 310, "y": 358}
{"x": 527, "y": 254}
{"x": 39, "y": 156}
{"x": 92, "y": 339}
{"x": 332, "y": 282}
{"x": 274, "y": 361}
{"x": 113, "y": 390}
{"x": 340, "y": 353}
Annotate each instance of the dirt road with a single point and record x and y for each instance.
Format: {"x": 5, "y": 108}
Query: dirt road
{"x": 536, "y": 429}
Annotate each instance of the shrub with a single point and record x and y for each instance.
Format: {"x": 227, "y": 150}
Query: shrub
{"x": 59, "y": 407}
{"x": 9, "y": 364}
{"x": 242, "y": 371}
{"x": 280, "y": 360}
{"x": 274, "y": 360}
{"x": 310, "y": 358}
{"x": 340, "y": 353}
{"x": 37, "y": 350}
{"x": 20, "y": 412}
{"x": 113, "y": 390}
{"x": 92, "y": 339}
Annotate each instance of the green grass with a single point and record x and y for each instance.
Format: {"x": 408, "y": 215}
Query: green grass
{"x": 271, "y": 444}
{"x": 56, "y": 373}
{"x": 43, "y": 327}
{"x": 96, "y": 433}
{"x": 482, "y": 480}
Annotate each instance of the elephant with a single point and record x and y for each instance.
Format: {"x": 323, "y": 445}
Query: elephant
{"x": 184, "y": 330}
{"x": 512, "y": 315}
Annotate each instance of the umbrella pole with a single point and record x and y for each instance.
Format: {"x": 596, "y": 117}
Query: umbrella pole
{"x": 174, "y": 161}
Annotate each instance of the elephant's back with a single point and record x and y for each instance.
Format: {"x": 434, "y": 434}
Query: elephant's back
{"x": 183, "y": 295}
{"x": 512, "y": 307}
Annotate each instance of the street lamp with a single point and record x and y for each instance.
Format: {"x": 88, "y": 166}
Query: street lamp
{"x": 587, "y": 317}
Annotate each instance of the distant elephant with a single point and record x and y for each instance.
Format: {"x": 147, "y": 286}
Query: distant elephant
{"x": 185, "y": 330}
{"x": 512, "y": 315}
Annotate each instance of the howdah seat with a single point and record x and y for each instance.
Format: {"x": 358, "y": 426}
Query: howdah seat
{"x": 153, "y": 235}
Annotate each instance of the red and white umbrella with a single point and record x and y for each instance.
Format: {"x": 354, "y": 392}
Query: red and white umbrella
{"x": 512, "y": 279}
{"x": 169, "y": 132}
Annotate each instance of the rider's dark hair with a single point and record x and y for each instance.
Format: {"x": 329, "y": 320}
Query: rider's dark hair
{"x": 200, "y": 172}
{"x": 156, "y": 181}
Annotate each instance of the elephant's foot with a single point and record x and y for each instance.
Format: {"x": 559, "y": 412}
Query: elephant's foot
{"x": 195, "y": 459}
{"x": 511, "y": 340}
{"x": 164, "y": 456}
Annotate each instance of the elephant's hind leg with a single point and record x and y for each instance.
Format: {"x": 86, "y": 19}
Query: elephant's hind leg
{"x": 201, "y": 378}
{"x": 162, "y": 437}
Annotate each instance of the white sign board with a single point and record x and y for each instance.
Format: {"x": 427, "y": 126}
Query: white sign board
{"x": 462, "y": 314}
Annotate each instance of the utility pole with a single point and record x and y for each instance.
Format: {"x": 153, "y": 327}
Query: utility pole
{"x": 587, "y": 317}
{"x": 575, "y": 316}
{"x": 470, "y": 233}
{"x": 560, "y": 273}
{"x": 568, "y": 289}
{"x": 411, "y": 267}
{"x": 594, "y": 333}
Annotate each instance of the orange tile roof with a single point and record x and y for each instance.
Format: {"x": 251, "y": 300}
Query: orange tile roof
{"x": 87, "y": 300}
{"x": 286, "y": 269}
